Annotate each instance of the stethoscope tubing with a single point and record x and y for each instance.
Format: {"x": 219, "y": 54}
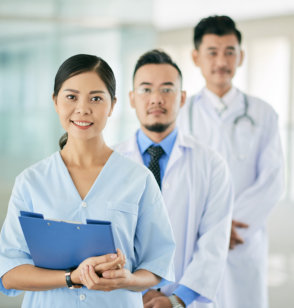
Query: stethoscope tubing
{"x": 244, "y": 115}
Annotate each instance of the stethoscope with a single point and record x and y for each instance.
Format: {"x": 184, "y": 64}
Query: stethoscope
{"x": 240, "y": 154}
{"x": 244, "y": 116}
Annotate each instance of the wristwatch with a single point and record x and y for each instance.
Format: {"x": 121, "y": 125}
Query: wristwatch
{"x": 174, "y": 301}
{"x": 68, "y": 281}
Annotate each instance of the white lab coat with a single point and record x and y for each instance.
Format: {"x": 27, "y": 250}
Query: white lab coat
{"x": 255, "y": 159}
{"x": 197, "y": 191}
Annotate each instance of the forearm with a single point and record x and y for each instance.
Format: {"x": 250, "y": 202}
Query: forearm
{"x": 30, "y": 278}
{"x": 142, "y": 280}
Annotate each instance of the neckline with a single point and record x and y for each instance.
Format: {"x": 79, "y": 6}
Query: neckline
{"x": 97, "y": 180}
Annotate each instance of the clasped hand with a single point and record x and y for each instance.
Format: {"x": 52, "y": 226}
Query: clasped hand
{"x": 104, "y": 273}
{"x": 235, "y": 238}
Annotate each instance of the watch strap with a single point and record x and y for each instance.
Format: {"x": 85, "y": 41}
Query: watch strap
{"x": 68, "y": 281}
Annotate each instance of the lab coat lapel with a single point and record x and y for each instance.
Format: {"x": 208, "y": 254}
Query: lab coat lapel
{"x": 177, "y": 151}
{"x": 235, "y": 108}
{"x": 130, "y": 149}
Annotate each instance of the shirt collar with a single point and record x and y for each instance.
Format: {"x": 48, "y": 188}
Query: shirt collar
{"x": 217, "y": 102}
{"x": 167, "y": 143}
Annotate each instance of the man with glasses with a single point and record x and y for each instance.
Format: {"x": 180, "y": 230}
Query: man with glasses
{"x": 244, "y": 130}
{"x": 194, "y": 180}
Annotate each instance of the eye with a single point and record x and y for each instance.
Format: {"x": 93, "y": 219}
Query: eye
{"x": 144, "y": 90}
{"x": 230, "y": 53}
{"x": 166, "y": 90}
{"x": 96, "y": 99}
{"x": 71, "y": 97}
{"x": 212, "y": 53}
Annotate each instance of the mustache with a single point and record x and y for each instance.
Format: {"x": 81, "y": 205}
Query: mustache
{"x": 222, "y": 70}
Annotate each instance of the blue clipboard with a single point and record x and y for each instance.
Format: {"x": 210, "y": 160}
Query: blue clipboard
{"x": 63, "y": 245}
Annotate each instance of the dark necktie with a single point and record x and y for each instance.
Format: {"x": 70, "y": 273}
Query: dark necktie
{"x": 155, "y": 154}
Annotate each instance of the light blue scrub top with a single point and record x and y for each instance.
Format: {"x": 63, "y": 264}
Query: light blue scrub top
{"x": 125, "y": 193}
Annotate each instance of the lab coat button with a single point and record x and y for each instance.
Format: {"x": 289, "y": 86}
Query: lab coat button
{"x": 84, "y": 204}
{"x": 82, "y": 297}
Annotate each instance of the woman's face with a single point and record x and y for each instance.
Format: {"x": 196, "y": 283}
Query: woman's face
{"x": 83, "y": 104}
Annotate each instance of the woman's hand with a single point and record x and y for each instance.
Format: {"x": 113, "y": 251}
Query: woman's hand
{"x": 111, "y": 279}
{"x": 99, "y": 264}
{"x": 118, "y": 279}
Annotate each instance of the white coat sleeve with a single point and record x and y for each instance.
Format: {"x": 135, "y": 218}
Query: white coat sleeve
{"x": 255, "y": 203}
{"x": 205, "y": 270}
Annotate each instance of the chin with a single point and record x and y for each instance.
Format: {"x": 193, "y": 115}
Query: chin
{"x": 157, "y": 127}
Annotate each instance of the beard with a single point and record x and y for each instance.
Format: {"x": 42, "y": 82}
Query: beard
{"x": 157, "y": 127}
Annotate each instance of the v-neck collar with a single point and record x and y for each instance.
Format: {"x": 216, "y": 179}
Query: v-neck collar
{"x": 97, "y": 180}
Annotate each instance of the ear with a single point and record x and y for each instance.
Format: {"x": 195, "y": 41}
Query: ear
{"x": 183, "y": 98}
{"x": 195, "y": 57}
{"x": 242, "y": 55}
{"x": 132, "y": 99}
{"x": 112, "y": 106}
{"x": 54, "y": 98}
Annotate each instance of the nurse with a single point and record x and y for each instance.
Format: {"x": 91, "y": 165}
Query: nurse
{"x": 86, "y": 179}
{"x": 194, "y": 181}
{"x": 244, "y": 130}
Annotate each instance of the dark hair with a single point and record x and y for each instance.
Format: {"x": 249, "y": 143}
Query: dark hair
{"x": 219, "y": 25}
{"x": 79, "y": 64}
{"x": 156, "y": 56}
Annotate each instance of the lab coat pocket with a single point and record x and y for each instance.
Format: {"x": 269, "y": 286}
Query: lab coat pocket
{"x": 123, "y": 216}
{"x": 244, "y": 137}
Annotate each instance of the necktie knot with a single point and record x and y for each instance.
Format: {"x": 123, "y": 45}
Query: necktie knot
{"x": 155, "y": 153}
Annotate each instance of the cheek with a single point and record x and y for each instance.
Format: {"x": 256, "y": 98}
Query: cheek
{"x": 206, "y": 67}
{"x": 140, "y": 108}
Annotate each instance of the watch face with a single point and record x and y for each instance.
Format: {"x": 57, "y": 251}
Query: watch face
{"x": 174, "y": 302}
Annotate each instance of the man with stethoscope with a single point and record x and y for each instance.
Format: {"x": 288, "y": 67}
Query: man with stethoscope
{"x": 244, "y": 130}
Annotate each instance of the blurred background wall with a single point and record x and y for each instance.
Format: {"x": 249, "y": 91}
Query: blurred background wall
{"x": 36, "y": 36}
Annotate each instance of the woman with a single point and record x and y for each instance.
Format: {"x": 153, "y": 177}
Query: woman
{"x": 86, "y": 179}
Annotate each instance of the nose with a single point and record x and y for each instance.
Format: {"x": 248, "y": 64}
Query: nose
{"x": 221, "y": 60}
{"x": 156, "y": 97}
{"x": 83, "y": 106}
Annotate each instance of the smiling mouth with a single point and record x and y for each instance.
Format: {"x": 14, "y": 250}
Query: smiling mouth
{"x": 82, "y": 124}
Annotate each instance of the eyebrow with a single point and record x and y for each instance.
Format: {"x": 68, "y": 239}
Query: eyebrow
{"x": 91, "y": 92}
{"x": 168, "y": 83}
{"x": 144, "y": 83}
{"x": 228, "y": 47}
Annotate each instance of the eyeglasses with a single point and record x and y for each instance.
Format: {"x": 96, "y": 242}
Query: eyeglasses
{"x": 164, "y": 91}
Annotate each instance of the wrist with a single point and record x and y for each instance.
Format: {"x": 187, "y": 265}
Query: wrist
{"x": 75, "y": 278}
{"x": 70, "y": 281}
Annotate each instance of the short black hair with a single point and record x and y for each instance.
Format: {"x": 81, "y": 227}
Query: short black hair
{"x": 219, "y": 25}
{"x": 156, "y": 56}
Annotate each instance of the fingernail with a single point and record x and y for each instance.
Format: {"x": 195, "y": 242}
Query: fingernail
{"x": 113, "y": 256}
{"x": 105, "y": 274}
